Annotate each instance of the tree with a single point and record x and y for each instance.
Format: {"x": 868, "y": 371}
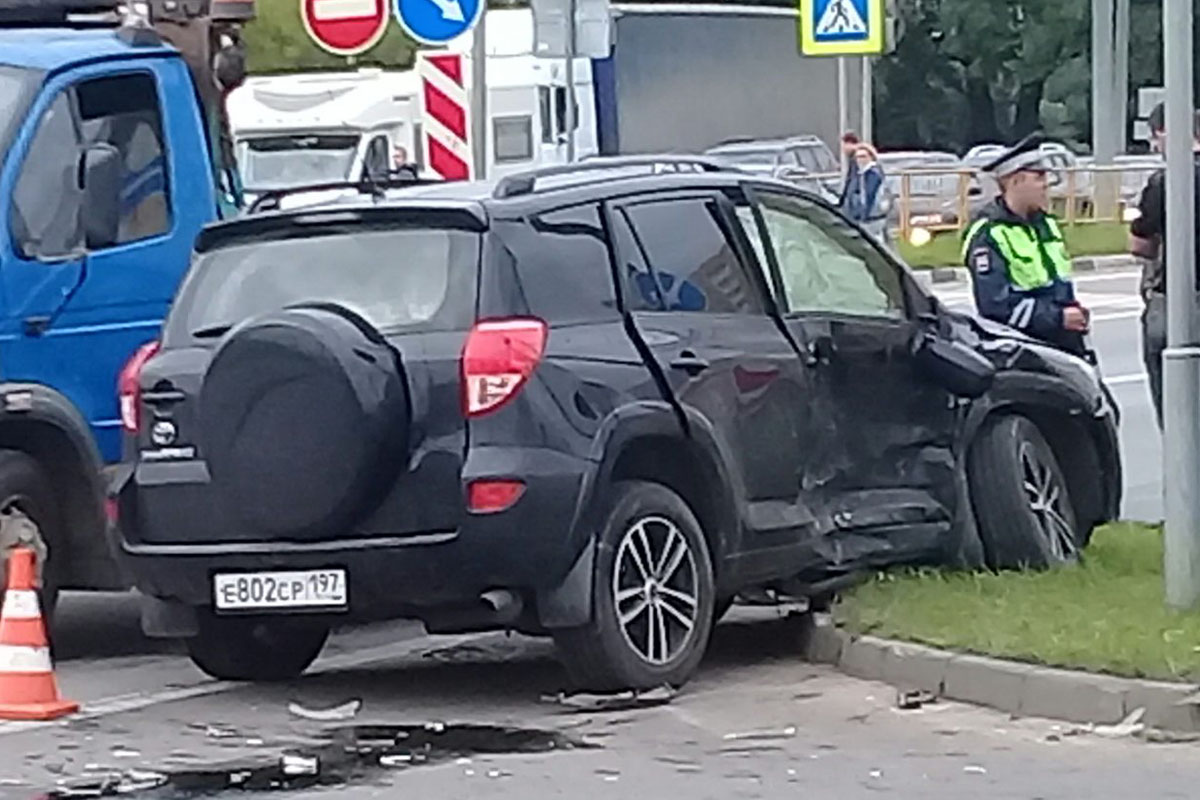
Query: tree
{"x": 277, "y": 42}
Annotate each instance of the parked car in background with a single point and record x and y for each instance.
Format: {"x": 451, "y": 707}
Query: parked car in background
{"x": 803, "y": 160}
{"x": 934, "y": 184}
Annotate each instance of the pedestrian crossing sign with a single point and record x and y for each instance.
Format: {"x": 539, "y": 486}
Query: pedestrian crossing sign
{"x": 841, "y": 27}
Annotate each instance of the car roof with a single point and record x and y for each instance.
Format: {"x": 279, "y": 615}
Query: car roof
{"x": 764, "y": 144}
{"x": 52, "y": 49}
{"x": 477, "y": 201}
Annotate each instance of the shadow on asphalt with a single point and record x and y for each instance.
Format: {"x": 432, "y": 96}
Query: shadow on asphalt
{"x": 103, "y": 625}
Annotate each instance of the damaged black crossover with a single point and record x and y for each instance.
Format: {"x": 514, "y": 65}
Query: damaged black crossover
{"x": 594, "y": 403}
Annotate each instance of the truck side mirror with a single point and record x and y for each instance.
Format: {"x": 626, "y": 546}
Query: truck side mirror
{"x": 101, "y": 170}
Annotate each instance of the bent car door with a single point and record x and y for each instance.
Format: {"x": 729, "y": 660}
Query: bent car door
{"x": 890, "y": 464}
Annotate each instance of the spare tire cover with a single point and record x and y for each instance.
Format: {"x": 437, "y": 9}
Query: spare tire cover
{"x": 303, "y": 421}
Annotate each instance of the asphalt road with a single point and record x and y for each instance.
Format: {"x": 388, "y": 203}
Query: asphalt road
{"x": 756, "y": 723}
{"x": 1116, "y": 307}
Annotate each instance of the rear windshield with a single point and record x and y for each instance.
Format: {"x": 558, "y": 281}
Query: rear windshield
{"x": 397, "y": 279}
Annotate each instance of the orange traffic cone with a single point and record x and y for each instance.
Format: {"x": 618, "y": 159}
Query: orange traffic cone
{"x": 27, "y": 686}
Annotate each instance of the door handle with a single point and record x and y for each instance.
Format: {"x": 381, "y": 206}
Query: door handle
{"x": 821, "y": 350}
{"x": 690, "y": 363}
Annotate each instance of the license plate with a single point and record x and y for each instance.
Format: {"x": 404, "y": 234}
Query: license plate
{"x": 246, "y": 591}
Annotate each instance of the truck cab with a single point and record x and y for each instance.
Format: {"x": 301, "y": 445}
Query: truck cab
{"x": 304, "y": 129}
{"x": 106, "y": 178}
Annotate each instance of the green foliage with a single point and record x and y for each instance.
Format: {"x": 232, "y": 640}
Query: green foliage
{"x": 277, "y": 42}
{"x": 1084, "y": 239}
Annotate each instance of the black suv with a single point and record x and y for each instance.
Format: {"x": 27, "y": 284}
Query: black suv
{"x": 595, "y": 403}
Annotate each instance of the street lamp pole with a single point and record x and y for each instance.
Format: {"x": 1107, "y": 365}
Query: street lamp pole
{"x": 1181, "y": 360}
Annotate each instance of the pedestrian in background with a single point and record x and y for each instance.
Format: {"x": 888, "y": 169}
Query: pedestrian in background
{"x": 850, "y": 143}
{"x": 864, "y": 200}
{"x": 1018, "y": 257}
{"x": 1146, "y": 241}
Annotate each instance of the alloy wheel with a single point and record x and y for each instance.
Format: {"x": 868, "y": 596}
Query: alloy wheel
{"x": 1046, "y": 499}
{"x": 656, "y": 589}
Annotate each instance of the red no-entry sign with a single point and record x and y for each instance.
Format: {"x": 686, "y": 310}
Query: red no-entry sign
{"x": 345, "y": 27}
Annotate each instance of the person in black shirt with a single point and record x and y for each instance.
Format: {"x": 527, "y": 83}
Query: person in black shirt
{"x": 1146, "y": 241}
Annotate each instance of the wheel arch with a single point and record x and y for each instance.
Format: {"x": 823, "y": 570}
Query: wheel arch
{"x": 1080, "y": 442}
{"x": 42, "y": 423}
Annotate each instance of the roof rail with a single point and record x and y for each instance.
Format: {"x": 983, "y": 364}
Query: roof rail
{"x": 269, "y": 201}
{"x": 521, "y": 183}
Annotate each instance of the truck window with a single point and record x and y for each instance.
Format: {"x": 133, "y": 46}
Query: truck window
{"x": 123, "y": 111}
{"x": 378, "y": 159}
{"x": 17, "y": 86}
{"x": 44, "y": 219}
{"x": 512, "y": 138}
{"x": 547, "y": 115}
{"x": 560, "y": 109}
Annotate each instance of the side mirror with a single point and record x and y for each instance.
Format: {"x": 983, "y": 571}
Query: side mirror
{"x": 101, "y": 170}
{"x": 975, "y": 191}
{"x": 957, "y": 367}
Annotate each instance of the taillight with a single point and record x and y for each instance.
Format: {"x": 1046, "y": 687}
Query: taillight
{"x": 488, "y": 497}
{"x": 129, "y": 386}
{"x": 498, "y": 358}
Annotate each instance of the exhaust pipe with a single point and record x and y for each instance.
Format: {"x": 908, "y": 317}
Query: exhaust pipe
{"x": 497, "y": 609}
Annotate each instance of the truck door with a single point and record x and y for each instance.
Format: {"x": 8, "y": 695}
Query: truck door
{"x": 74, "y": 315}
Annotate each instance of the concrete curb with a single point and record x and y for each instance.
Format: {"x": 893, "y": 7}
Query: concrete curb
{"x": 1021, "y": 689}
{"x": 940, "y": 275}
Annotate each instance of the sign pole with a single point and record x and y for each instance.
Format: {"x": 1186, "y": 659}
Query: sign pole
{"x": 843, "y": 105}
{"x": 868, "y": 102}
{"x": 1181, "y": 360}
{"x": 570, "y": 79}
{"x": 479, "y": 104}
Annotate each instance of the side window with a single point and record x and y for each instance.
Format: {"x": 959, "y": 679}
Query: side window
{"x": 641, "y": 292}
{"x": 692, "y": 261}
{"x": 546, "y": 113}
{"x": 826, "y": 264}
{"x": 560, "y": 109}
{"x": 377, "y": 160}
{"x": 788, "y": 159}
{"x": 562, "y": 265}
{"x": 512, "y": 138}
{"x": 45, "y": 220}
{"x": 123, "y": 111}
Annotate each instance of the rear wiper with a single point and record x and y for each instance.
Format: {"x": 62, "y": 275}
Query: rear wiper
{"x": 212, "y": 331}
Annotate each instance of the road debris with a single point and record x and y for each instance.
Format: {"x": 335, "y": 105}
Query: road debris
{"x": 763, "y": 735}
{"x": 620, "y": 701}
{"x": 1132, "y": 725}
{"x": 974, "y": 769}
{"x": 294, "y": 764}
{"x": 339, "y": 713}
{"x": 914, "y": 699}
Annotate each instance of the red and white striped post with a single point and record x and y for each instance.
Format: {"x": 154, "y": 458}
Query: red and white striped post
{"x": 446, "y": 114}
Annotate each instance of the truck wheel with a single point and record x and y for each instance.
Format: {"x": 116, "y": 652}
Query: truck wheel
{"x": 25, "y": 486}
{"x": 1022, "y": 506}
{"x": 256, "y": 648}
{"x": 652, "y": 596}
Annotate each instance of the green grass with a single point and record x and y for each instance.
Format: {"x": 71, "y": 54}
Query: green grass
{"x": 1104, "y": 615}
{"x": 1086, "y": 239}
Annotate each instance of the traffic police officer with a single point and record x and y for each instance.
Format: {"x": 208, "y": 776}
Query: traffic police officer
{"x": 1018, "y": 258}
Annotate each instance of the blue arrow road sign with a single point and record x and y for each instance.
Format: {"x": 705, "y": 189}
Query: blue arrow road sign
{"x": 841, "y": 27}
{"x": 437, "y": 21}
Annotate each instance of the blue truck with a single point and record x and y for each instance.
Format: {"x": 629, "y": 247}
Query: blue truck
{"x": 114, "y": 153}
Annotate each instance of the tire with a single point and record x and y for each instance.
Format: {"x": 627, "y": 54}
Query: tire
{"x": 24, "y": 484}
{"x": 605, "y": 655}
{"x": 256, "y": 649}
{"x": 1022, "y": 505}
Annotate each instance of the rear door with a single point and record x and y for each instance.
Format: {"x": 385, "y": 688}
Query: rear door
{"x": 848, "y": 303}
{"x": 697, "y": 298}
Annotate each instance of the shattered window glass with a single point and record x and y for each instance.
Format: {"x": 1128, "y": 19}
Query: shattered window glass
{"x": 825, "y": 263}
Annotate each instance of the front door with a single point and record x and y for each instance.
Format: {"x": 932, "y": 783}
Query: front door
{"x": 75, "y": 317}
{"x": 697, "y": 298}
{"x": 846, "y": 302}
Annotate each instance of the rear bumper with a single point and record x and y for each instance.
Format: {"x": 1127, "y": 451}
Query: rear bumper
{"x": 526, "y": 548}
